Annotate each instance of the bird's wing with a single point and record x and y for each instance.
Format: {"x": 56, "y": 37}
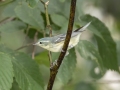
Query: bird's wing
{"x": 61, "y": 37}
{"x": 83, "y": 28}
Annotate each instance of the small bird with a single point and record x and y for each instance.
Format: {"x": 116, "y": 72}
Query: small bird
{"x": 55, "y": 43}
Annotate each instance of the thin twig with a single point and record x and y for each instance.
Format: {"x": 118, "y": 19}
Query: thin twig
{"x": 6, "y": 20}
{"x": 35, "y": 39}
{"x": 42, "y": 2}
{"x": 48, "y": 25}
{"x": 46, "y": 14}
{"x": 54, "y": 69}
{"x": 24, "y": 46}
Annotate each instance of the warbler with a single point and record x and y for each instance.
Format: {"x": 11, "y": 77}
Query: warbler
{"x": 55, "y": 43}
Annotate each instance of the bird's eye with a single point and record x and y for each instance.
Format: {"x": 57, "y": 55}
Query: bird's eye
{"x": 40, "y": 42}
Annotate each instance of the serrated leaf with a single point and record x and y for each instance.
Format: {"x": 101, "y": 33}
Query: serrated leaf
{"x": 106, "y": 44}
{"x": 30, "y": 15}
{"x": 6, "y": 72}
{"x": 27, "y": 73}
{"x": 88, "y": 51}
{"x": 32, "y": 3}
{"x": 86, "y": 19}
{"x": 26, "y": 70}
{"x": 12, "y": 26}
{"x": 67, "y": 67}
{"x": 108, "y": 53}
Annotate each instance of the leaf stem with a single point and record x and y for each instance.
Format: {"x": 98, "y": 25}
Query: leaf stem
{"x": 46, "y": 13}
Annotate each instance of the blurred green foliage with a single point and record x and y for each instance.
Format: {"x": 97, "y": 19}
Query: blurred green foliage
{"x": 21, "y": 19}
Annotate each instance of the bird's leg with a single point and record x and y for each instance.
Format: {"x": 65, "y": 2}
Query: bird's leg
{"x": 53, "y": 64}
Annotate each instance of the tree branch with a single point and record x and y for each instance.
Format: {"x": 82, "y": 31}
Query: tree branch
{"x": 54, "y": 69}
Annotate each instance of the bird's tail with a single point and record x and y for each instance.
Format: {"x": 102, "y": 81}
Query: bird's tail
{"x": 81, "y": 29}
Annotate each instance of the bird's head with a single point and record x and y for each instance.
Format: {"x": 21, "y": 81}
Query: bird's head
{"x": 43, "y": 42}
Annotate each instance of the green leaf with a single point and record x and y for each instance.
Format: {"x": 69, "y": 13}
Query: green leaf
{"x": 89, "y": 52}
{"x": 67, "y": 67}
{"x": 32, "y": 3}
{"x": 42, "y": 58}
{"x": 4, "y": 49}
{"x": 59, "y": 20}
{"x": 79, "y": 9}
{"x": 9, "y": 9}
{"x": 12, "y": 26}
{"x": 31, "y": 33}
{"x": 15, "y": 86}
{"x": 108, "y": 53}
{"x": 27, "y": 73}
{"x": 30, "y": 15}
{"x": 87, "y": 18}
{"x": 6, "y": 71}
{"x": 57, "y": 6}
{"x": 106, "y": 44}
{"x": 26, "y": 70}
